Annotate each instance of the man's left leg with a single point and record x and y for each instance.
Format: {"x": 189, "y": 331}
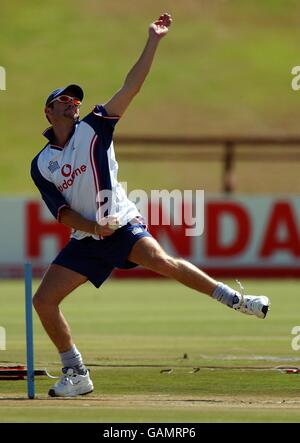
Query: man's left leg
{"x": 148, "y": 253}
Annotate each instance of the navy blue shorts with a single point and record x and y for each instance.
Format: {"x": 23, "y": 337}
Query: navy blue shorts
{"x": 96, "y": 259}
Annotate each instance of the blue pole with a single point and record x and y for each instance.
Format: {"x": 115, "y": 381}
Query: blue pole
{"x": 29, "y": 330}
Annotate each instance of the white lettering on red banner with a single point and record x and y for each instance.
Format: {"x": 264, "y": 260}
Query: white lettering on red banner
{"x": 251, "y": 236}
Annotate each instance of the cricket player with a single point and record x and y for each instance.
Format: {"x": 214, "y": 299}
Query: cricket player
{"x": 76, "y": 174}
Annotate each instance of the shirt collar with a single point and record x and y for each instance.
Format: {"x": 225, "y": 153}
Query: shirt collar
{"x": 49, "y": 133}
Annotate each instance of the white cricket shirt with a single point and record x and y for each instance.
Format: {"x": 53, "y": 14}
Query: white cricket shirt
{"x": 83, "y": 173}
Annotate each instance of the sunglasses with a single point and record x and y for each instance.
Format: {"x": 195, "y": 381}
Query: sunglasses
{"x": 67, "y": 99}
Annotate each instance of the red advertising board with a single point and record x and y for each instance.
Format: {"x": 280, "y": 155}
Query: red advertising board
{"x": 255, "y": 236}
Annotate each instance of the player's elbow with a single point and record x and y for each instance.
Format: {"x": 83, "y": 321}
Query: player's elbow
{"x": 63, "y": 214}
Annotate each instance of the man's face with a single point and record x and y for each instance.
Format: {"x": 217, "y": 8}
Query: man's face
{"x": 59, "y": 111}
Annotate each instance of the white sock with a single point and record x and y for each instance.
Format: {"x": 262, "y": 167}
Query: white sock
{"x": 73, "y": 359}
{"x": 226, "y": 295}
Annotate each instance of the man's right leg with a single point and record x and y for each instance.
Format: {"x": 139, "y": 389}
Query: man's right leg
{"x": 57, "y": 283}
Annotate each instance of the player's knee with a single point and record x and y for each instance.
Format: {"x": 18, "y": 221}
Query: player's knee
{"x": 40, "y": 302}
{"x": 37, "y": 302}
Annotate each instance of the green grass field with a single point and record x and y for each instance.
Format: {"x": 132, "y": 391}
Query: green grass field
{"x": 130, "y": 331}
{"x": 225, "y": 68}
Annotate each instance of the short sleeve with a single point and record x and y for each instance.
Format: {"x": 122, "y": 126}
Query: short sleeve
{"x": 102, "y": 124}
{"x": 50, "y": 194}
{"x": 100, "y": 112}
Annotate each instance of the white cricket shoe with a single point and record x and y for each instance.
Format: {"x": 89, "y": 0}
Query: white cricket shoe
{"x": 72, "y": 384}
{"x": 252, "y": 304}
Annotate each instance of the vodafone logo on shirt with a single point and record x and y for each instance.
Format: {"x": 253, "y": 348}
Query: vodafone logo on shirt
{"x": 70, "y": 175}
{"x": 66, "y": 170}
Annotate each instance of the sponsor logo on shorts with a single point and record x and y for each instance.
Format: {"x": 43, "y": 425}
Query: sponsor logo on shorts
{"x": 66, "y": 171}
{"x": 137, "y": 231}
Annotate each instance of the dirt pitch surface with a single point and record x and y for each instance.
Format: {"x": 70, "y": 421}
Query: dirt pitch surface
{"x": 151, "y": 401}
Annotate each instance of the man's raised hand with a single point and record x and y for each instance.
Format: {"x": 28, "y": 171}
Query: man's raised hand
{"x": 160, "y": 27}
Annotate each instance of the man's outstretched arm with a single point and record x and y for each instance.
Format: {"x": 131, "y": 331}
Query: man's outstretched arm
{"x": 136, "y": 76}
